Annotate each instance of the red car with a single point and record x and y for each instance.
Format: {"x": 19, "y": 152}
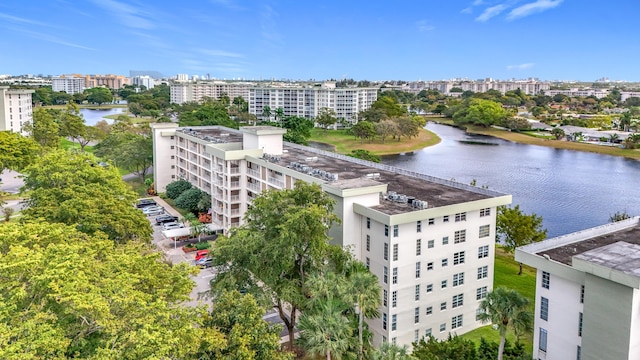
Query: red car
{"x": 201, "y": 254}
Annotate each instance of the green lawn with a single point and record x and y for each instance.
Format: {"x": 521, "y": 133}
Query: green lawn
{"x": 506, "y": 275}
{"x": 344, "y": 142}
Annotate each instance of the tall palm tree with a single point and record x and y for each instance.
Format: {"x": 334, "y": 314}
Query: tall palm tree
{"x": 506, "y": 308}
{"x": 326, "y": 330}
{"x": 389, "y": 351}
{"x": 266, "y": 112}
{"x": 279, "y": 114}
{"x": 366, "y": 293}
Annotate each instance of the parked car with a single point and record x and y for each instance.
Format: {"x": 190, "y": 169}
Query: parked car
{"x": 202, "y": 254}
{"x": 165, "y": 219}
{"x": 172, "y": 225}
{"x": 152, "y": 208}
{"x": 153, "y": 212}
{"x": 143, "y": 203}
{"x": 205, "y": 262}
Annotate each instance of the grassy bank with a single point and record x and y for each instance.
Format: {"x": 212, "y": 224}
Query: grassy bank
{"x": 506, "y": 275}
{"x": 345, "y": 143}
{"x": 88, "y": 106}
{"x": 533, "y": 138}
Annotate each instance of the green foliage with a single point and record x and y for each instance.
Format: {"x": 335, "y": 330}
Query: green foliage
{"x": 298, "y": 129}
{"x": 365, "y": 155}
{"x": 619, "y": 216}
{"x": 189, "y": 199}
{"x": 363, "y": 130}
{"x": 98, "y": 95}
{"x": 517, "y": 229}
{"x": 517, "y": 123}
{"x": 16, "y": 151}
{"x": 557, "y": 133}
{"x": 175, "y": 188}
{"x": 209, "y": 113}
{"x": 481, "y": 112}
{"x": 454, "y": 348}
{"x": 130, "y": 151}
{"x": 70, "y": 188}
{"x": 203, "y": 245}
{"x": 44, "y": 129}
{"x": 389, "y": 105}
{"x": 488, "y": 350}
{"x": 326, "y": 118}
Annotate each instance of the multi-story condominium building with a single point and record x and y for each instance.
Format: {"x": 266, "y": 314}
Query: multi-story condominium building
{"x": 624, "y": 95}
{"x": 429, "y": 241}
{"x": 109, "y": 81}
{"x": 71, "y": 84}
{"x": 195, "y": 91}
{"x": 599, "y": 93}
{"x": 587, "y": 293}
{"x": 529, "y": 87}
{"x": 144, "y": 80}
{"x": 15, "y": 109}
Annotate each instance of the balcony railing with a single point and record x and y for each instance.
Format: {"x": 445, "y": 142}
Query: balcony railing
{"x": 254, "y": 186}
{"x": 276, "y": 182}
{"x": 235, "y": 198}
{"x": 253, "y": 172}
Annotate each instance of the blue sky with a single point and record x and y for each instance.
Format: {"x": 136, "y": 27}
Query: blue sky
{"x": 300, "y": 39}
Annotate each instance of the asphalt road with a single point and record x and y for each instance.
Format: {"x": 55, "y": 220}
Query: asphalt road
{"x": 11, "y": 181}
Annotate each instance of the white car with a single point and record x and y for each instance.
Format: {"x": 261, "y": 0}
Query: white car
{"x": 172, "y": 225}
{"x": 153, "y": 212}
{"x": 152, "y": 208}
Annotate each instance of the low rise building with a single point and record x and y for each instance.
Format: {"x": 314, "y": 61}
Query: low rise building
{"x": 15, "y": 109}
{"x": 587, "y": 293}
{"x": 429, "y": 241}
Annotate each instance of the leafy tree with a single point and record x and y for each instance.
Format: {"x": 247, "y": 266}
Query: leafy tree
{"x": 60, "y": 98}
{"x": 44, "y": 130}
{"x": 71, "y": 123}
{"x": 278, "y": 114}
{"x": 70, "y": 188}
{"x": 632, "y": 101}
{"x": 16, "y": 151}
{"x": 389, "y": 351}
{"x": 518, "y": 229}
{"x": 365, "y": 155}
{"x": 241, "y": 104}
{"x": 239, "y": 318}
{"x": 298, "y": 129}
{"x": 558, "y": 133}
{"x": 409, "y": 126}
{"x": 326, "y": 118}
{"x": 386, "y": 128}
{"x": 175, "y": 188}
{"x": 506, "y": 308}
{"x": 481, "y": 112}
{"x": 98, "y": 95}
{"x": 389, "y": 105}
{"x": 189, "y": 199}
{"x": 209, "y": 113}
{"x": 439, "y": 109}
{"x": 373, "y": 115}
{"x": 517, "y": 123}
{"x": 42, "y": 96}
{"x": 488, "y": 350}
{"x": 91, "y": 133}
{"x": 266, "y": 113}
{"x": 454, "y": 348}
{"x": 129, "y": 151}
{"x": 363, "y": 130}
{"x": 57, "y": 298}
{"x": 288, "y": 230}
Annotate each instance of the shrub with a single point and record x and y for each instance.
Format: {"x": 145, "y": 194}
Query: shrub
{"x": 203, "y": 245}
{"x": 176, "y": 188}
{"x": 189, "y": 199}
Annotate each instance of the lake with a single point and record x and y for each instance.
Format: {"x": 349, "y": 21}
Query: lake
{"x": 571, "y": 190}
{"x": 92, "y": 116}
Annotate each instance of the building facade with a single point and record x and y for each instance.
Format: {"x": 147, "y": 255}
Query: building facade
{"x": 15, "y": 109}
{"x": 529, "y": 87}
{"x": 71, "y": 84}
{"x": 429, "y": 241}
{"x": 196, "y": 91}
{"x": 144, "y": 80}
{"x": 587, "y": 293}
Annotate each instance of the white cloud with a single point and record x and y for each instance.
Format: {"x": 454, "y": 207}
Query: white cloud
{"x": 424, "y": 26}
{"x": 220, "y": 53}
{"x": 492, "y": 11}
{"x": 532, "y": 8}
{"x": 466, "y": 10}
{"x": 52, "y": 39}
{"x": 478, "y": 2}
{"x": 229, "y": 4}
{"x": 20, "y": 20}
{"x": 130, "y": 16}
{"x": 520, "y": 66}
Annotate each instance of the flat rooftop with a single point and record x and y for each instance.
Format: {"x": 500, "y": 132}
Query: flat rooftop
{"x": 620, "y": 256}
{"x": 213, "y": 134}
{"x": 583, "y": 246}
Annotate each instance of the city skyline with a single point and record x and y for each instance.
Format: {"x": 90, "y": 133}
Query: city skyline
{"x": 545, "y": 39}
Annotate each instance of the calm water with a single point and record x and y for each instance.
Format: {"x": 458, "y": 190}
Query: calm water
{"x": 92, "y": 116}
{"x": 571, "y": 190}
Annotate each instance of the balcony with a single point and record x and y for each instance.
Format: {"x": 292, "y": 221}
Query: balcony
{"x": 254, "y": 186}
{"x": 253, "y": 172}
{"x": 235, "y": 198}
{"x": 276, "y": 182}
{"x": 234, "y": 170}
{"x": 235, "y": 211}
{"x": 232, "y": 184}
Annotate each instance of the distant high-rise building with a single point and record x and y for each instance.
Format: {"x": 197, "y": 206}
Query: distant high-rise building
{"x": 15, "y": 109}
{"x": 182, "y": 77}
{"x": 143, "y": 80}
{"x": 71, "y": 84}
{"x": 110, "y": 81}
{"x": 150, "y": 73}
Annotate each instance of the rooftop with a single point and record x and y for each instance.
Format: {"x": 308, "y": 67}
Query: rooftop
{"x": 620, "y": 256}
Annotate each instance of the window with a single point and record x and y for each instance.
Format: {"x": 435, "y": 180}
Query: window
{"x": 445, "y": 218}
{"x": 385, "y": 297}
{"x": 458, "y": 258}
{"x": 443, "y": 306}
{"x": 430, "y": 266}
{"x": 461, "y": 216}
{"x": 485, "y": 212}
{"x": 445, "y": 262}
{"x": 171, "y": 137}
{"x": 393, "y": 340}
{"x": 582, "y": 294}
{"x": 368, "y": 223}
{"x": 429, "y": 288}
{"x": 580, "y": 324}
{"x": 430, "y": 244}
{"x": 443, "y": 327}
{"x": 481, "y": 293}
{"x": 394, "y": 322}
{"x": 483, "y": 251}
{"x": 385, "y": 276}
{"x": 384, "y": 321}
{"x": 418, "y": 270}
{"x": 429, "y": 310}
{"x": 418, "y": 247}
{"x": 445, "y": 240}
{"x": 419, "y": 226}
{"x": 368, "y": 243}
{"x": 432, "y": 221}
{"x": 460, "y": 236}
{"x": 395, "y": 230}
{"x": 458, "y": 279}
{"x": 386, "y": 230}
{"x": 479, "y": 313}
{"x": 483, "y": 272}
{"x": 173, "y": 166}
{"x": 456, "y": 322}
{"x": 416, "y": 315}
{"x": 542, "y": 343}
{"x": 579, "y": 353}
{"x": 443, "y": 284}
{"x": 417, "y": 293}
{"x": 544, "y": 308}
{"x": 172, "y": 147}
{"x": 368, "y": 264}
{"x": 395, "y": 252}
{"x": 545, "y": 279}
{"x": 484, "y": 231}
{"x": 384, "y": 339}
{"x": 173, "y": 157}
{"x": 458, "y": 300}
{"x": 385, "y": 253}
{"x": 416, "y": 335}
{"x": 395, "y": 275}
{"x": 394, "y": 299}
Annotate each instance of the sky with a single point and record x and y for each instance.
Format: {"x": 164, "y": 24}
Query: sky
{"x": 327, "y": 39}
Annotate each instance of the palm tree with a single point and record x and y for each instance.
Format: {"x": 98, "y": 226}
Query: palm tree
{"x": 266, "y": 112}
{"x": 279, "y": 114}
{"x": 558, "y": 133}
{"x": 366, "y": 293}
{"x": 389, "y": 351}
{"x": 613, "y": 138}
{"x": 506, "y": 308}
{"x": 325, "y": 330}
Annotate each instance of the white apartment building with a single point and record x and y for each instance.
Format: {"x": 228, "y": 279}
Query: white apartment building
{"x": 599, "y": 93}
{"x": 624, "y": 95}
{"x": 70, "y": 84}
{"x": 15, "y": 109}
{"x": 144, "y": 80}
{"x": 529, "y": 87}
{"x": 429, "y": 241}
{"x": 587, "y": 293}
{"x": 195, "y": 91}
